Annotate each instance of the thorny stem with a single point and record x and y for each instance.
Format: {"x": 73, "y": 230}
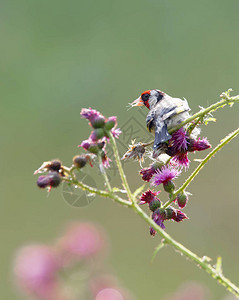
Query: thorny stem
{"x": 168, "y": 239}
{"x": 226, "y": 99}
{"x": 102, "y": 170}
{"x": 95, "y": 191}
{"x": 121, "y": 171}
{"x": 183, "y": 250}
{"x": 226, "y": 140}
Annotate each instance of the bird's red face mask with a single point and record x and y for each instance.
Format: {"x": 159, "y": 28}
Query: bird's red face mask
{"x": 142, "y": 100}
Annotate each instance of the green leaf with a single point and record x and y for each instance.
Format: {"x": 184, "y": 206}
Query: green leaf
{"x": 117, "y": 190}
{"x": 139, "y": 190}
{"x": 219, "y": 265}
{"x": 159, "y": 247}
{"x": 210, "y": 120}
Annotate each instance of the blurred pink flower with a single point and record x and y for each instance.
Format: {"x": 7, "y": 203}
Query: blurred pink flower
{"x": 102, "y": 281}
{"x": 109, "y": 294}
{"x": 81, "y": 241}
{"x": 35, "y": 269}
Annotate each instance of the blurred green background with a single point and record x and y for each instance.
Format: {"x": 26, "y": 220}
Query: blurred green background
{"x": 60, "y": 56}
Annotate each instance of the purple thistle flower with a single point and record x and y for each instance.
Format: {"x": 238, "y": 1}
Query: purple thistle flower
{"x": 150, "y": 198}
{"x": 170, "y": 213}
{"x": 178, "y": 142}
{"x": 181, "y": 159}
{"x": 85, "y": 144}
{"x": 159, "y": 217}
{"x": 180, "y": 216}
{"x": 90, "y": 114}
{"x": 105, "y": 160}
{"x": 116, "y": 132}
{"x": 147, "y": 173}
{"x": 198, "y": 145}
{"x": 164, "y": 175}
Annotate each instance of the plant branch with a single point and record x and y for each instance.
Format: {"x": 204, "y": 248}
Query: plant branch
{"x": 95, "y": 191}
{"x": 103, "y": 172}
{"x": 226, "y": 100}
{"x": 121, "y": 171}
{"x": 223, "y": 142}
{"x": 194, "y": 257}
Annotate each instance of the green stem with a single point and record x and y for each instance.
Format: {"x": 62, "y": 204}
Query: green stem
{"x": 168, "y": 239}
{"x": 95, "y": 191}
{"x": 102, "y": 170}
{"x": 121, "y": 171}
{"x": 183, "y": 250}
{"x": 226, "y": 140}
{"x": 226, "y": 100}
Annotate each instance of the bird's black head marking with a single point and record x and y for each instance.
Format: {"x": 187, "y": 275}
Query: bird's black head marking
{"x": 159, "y": 95}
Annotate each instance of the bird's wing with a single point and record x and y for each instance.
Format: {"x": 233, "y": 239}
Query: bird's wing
{"x": 178, "y": 107}
{"x": 161, "y": 133}
{"x": 150, "y": 120}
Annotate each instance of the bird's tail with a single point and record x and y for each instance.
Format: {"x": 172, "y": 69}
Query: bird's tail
{"x": 161, "y": 135}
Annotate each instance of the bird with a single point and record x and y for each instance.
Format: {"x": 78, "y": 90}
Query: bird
{"x": 165, "y": 112}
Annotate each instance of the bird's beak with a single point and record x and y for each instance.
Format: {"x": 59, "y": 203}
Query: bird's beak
{"x": 137, "y": 102}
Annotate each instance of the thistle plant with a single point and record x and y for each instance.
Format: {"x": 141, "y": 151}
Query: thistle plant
{"x": 161, "y": 174}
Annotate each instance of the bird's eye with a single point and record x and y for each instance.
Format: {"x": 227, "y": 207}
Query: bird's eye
{"x": 145, "y": 97}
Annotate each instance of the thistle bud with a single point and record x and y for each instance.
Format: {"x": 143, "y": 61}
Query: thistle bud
{"x": 55, "y": 165}
{"x": 182, "y": 199}
{"x": 42, "y": 182}
{"x": 79, "y": 161}
{"x": 147, "y": 173}
{"x": 101, "y": 145}
{"x": 180, "y": 216}
{"x": 154, "y": 204}
{"x": 97, "y": 134}
{"x": 52, "y": 179}
{"x": 169, "y": 186}
{"x": 110, "y": 123}
{"x": 93, "y": 148}
{"x": 150, "y": 198}
{"x": 198, "y": 145}
{"x": 170, "y": 213}
{"x": 98, "y": 122}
